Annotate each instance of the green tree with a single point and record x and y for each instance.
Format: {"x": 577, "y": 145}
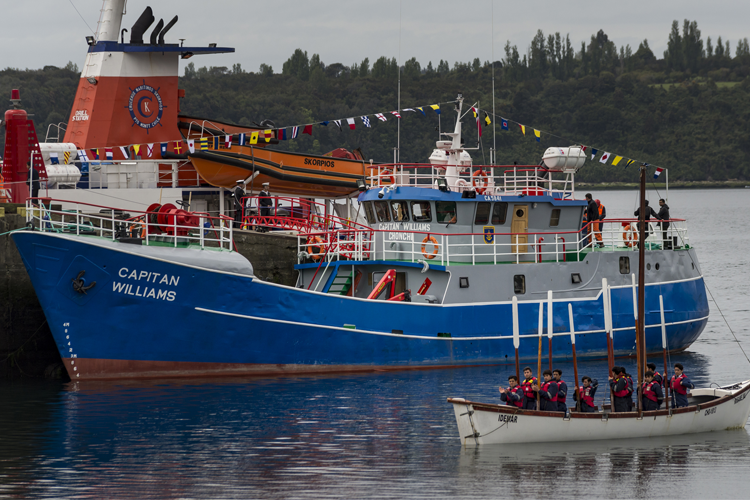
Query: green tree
{"x": 673, "y": 56}
{"x": 298, "y": 65}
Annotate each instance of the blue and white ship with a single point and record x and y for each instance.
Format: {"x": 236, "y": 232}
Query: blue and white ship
{"x": 457, "y": 265}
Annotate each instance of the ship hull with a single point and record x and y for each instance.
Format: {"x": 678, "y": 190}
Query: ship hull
{"x": 151, "y": 315}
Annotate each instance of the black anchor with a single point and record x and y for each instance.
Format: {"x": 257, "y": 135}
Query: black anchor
{"x": 80, "y": 286}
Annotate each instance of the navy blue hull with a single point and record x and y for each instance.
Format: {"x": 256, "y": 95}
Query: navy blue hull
{"x": 147, "y": 317}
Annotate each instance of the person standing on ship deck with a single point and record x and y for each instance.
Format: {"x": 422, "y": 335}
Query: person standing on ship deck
{"x": 602, "y": 215}
{"x": 649, "y": 213}
{"x": 562, "y": 390}
{"x": 239, "y": 209}
{"x": 592, "y": 215}
{"x": 513, "y": 395}
{"x": 587, "y": 392}
{"x": 621, "y": 391}
{"x": 663, "y": 216}
{"x": 651, "y": 393}
{"x": 680, "y": 385}
{"x": 547, "y": 393}
{"x": 529, "y": 402}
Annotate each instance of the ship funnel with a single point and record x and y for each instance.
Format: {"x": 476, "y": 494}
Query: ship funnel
{"x": 156, "y": 31}
{"x": 141, "y": 25}
{"x": 166, "y": 28}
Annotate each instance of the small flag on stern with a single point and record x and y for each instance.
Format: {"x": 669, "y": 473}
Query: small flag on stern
{"x": 338, "y": 124}
{"x": 395, "y": 113}
{"x": 630, "y": 162}
{"x": 268, "y": 134}
{"x": 82, "y": 156}
{"x": 204, "y": 143}
{"x": 254, "y": 138}
{"x": 658, "y": 172}
{"x": 150, "y": 150}
{"x": 178, "y": 147}
{"x": 95, "y": 153}
{"x": 523, "y": 128}
{"x": 190, "y": 142}
{"x": 125, "y": 152}
{"x": 228, "y": 141}
{"x": 242, "y": 140}
{"x": 281, "y": 134}
{"x": 504, "y": 124}
{"x": 136, "y": 149}
{"x": 487, "y": 119}
{"x": 421, "y": 110}
{"x": 108, "y": 153}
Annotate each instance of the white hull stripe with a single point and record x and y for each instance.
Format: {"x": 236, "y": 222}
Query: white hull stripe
{"x": 420, "y": 337}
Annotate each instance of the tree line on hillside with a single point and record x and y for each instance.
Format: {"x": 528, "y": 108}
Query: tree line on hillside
{"x": 691, "y": 117}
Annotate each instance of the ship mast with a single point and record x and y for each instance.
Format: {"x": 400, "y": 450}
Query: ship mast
{"x": 640, "y": 336}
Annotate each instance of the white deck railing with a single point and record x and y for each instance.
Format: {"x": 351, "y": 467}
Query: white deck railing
{"x": 491, "y": 248}
{"x": 485, "y": 179}
{"x": 173, "y": 227}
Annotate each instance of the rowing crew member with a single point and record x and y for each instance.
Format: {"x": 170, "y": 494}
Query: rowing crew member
{"x": 651, "y": 393}
{"x": 621, "y": 390}
{"x": 513, "y": 395}
{"x": 529, "y": 402}
{"x": 657, "y": 376}
{"x": 547, "y": 393}
{"x": 680, "y": 385}
{"x": 562, "y": 390}
{"x": 587, "y": 392}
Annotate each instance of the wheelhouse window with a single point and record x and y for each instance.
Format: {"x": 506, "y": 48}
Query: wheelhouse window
{"x": 554, "y": 219}
{"x": 381, "y": 209}
{"x": 421, "y": 211}
{"x": 499, "y": 213}
{"x": 483, "y": 213}
{"x": 400, "y": 211}
{"x": 446, "y": 212}
{"x": 369, "y": 212}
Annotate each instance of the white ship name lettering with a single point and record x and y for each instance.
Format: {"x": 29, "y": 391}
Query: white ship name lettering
{"x": 142, "y": 290}
{"x": 404, "y": 226}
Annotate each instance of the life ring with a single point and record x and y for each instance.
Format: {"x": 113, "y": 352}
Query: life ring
{"x": 314, "y": 242}
{"x": 386, "y": 174}
{"x": 430, "y": 239}
{"x": 629, "y": 236}
{"x": 475, "y": 177}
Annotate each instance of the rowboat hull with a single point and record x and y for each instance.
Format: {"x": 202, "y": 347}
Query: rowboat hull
{"x": 713, "y": 410}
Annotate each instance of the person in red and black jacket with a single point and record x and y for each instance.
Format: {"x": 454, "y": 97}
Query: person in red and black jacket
{"x": 621, "y": 390}
{"x": 680, "y": 385}
{"x": 562, "y": 390}
{"x": 631, "y": 388}
{"x": 529, "y": 402}
{"x": 547, "y": 392}
{"x": 513, "y": 395}
{"x": 651, "y": 393}
{"x": 587, "y": 392}
{"x": 657, "y": 376}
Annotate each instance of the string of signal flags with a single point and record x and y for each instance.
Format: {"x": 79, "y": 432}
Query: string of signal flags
{"x": 294, "y": 131}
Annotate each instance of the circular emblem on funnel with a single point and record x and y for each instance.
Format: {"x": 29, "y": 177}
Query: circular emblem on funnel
{"x": 145, "y": 106}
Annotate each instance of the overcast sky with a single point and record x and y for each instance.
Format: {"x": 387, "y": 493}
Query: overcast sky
{"x": 36, "y": 33}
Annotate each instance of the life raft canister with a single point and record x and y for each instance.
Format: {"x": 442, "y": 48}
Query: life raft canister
{"x": 430, "y": 239}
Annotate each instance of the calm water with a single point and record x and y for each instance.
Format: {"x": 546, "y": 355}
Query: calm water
{"x": 374, "y": 435}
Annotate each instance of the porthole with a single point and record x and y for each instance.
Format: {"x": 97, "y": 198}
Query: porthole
{"x": 657, "y": 266}
{"x": 648, "y": 267}
{"x": 519, "y": 213}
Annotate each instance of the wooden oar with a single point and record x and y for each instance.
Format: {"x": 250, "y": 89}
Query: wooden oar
{"x": 516, "y": 336}
{"x": 550, "y": 326}
{"x": 664, "y": 353}
{"x": 609, "y": 330}
{"x": 575, "y": 360}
